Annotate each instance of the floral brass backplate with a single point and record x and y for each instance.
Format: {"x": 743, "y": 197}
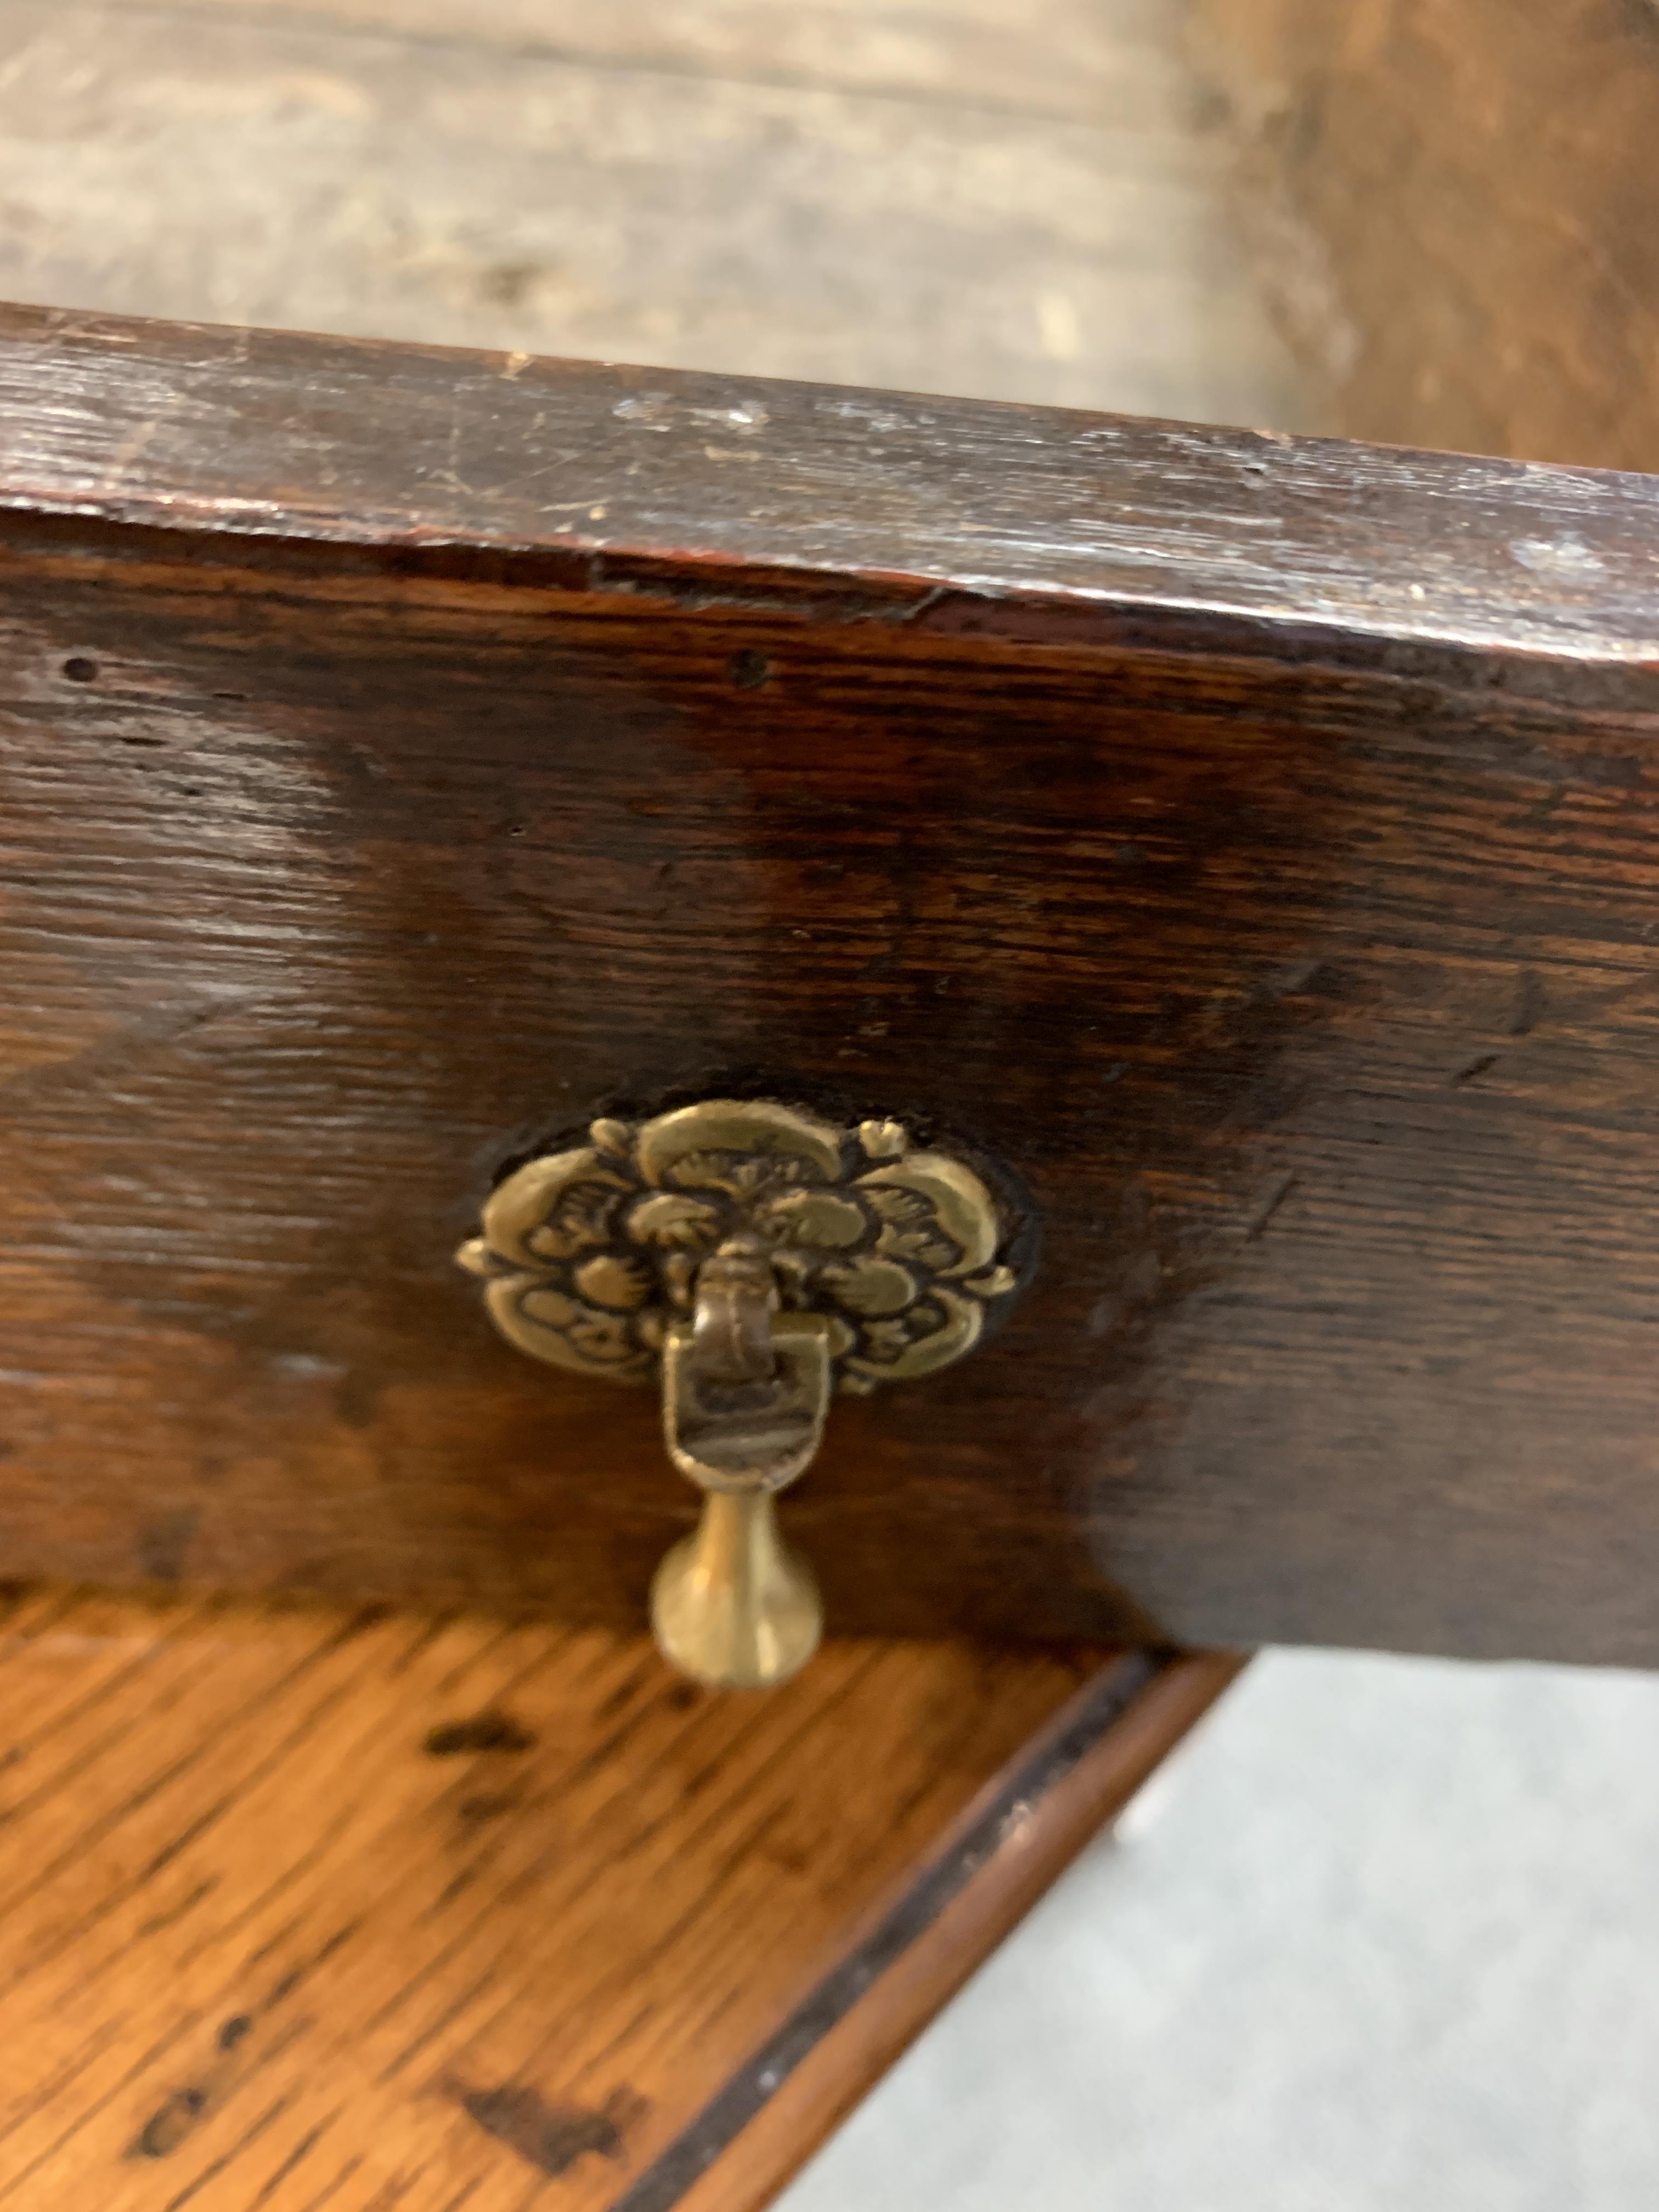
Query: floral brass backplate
{"x": 589, "y": 1255}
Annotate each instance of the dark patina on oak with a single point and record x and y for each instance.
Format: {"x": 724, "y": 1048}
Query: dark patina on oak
{"x": 409, "y": 753}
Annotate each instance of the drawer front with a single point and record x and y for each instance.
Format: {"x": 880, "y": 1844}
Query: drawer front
{"x": 1252, "y": 846}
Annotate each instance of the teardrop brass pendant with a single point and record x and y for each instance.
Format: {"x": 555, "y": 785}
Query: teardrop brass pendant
{"x": 732, "y": 1605}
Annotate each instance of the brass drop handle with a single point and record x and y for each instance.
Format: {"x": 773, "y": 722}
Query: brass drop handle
{"x": 745, "y": 1390}
{"x": 756, "y": 1259}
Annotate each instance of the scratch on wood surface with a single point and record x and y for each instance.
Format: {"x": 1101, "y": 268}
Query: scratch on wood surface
{"x": 929, "y": 598}
{"x": 169, "y": 2126}
{"x": 117, "y": 1048}
{"x": 487, "y": 1731}
{"x": 129, "y": 450}
{"x": 552, "y": 2137}
{"x": 1474, "y": 1068}
{"x": 1530, "y": 1001}
{"x": 1264, "y": 1213}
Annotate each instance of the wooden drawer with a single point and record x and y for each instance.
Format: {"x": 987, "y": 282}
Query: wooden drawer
{"x": 1249, "y": 843}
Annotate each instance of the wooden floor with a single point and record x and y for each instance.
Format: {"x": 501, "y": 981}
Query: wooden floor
{"x": 942, "y": 195}
{"x": 301, "y": 1911}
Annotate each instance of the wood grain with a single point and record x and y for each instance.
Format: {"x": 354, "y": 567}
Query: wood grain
{"x": 1250, "y": 841}
{"x": 855, "y": 504}
{"x": 1072, "y": 59}
{"x": 306, "y": 1909}
{"x": 1457, "y": 213}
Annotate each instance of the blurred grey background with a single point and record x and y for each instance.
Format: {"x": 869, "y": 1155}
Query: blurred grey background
{"x": 1390, "y": 1942}
{"x": 1382, "y": 1938}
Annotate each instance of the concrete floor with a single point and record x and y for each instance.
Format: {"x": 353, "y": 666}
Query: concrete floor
{"x": 1388, "y": 1944}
